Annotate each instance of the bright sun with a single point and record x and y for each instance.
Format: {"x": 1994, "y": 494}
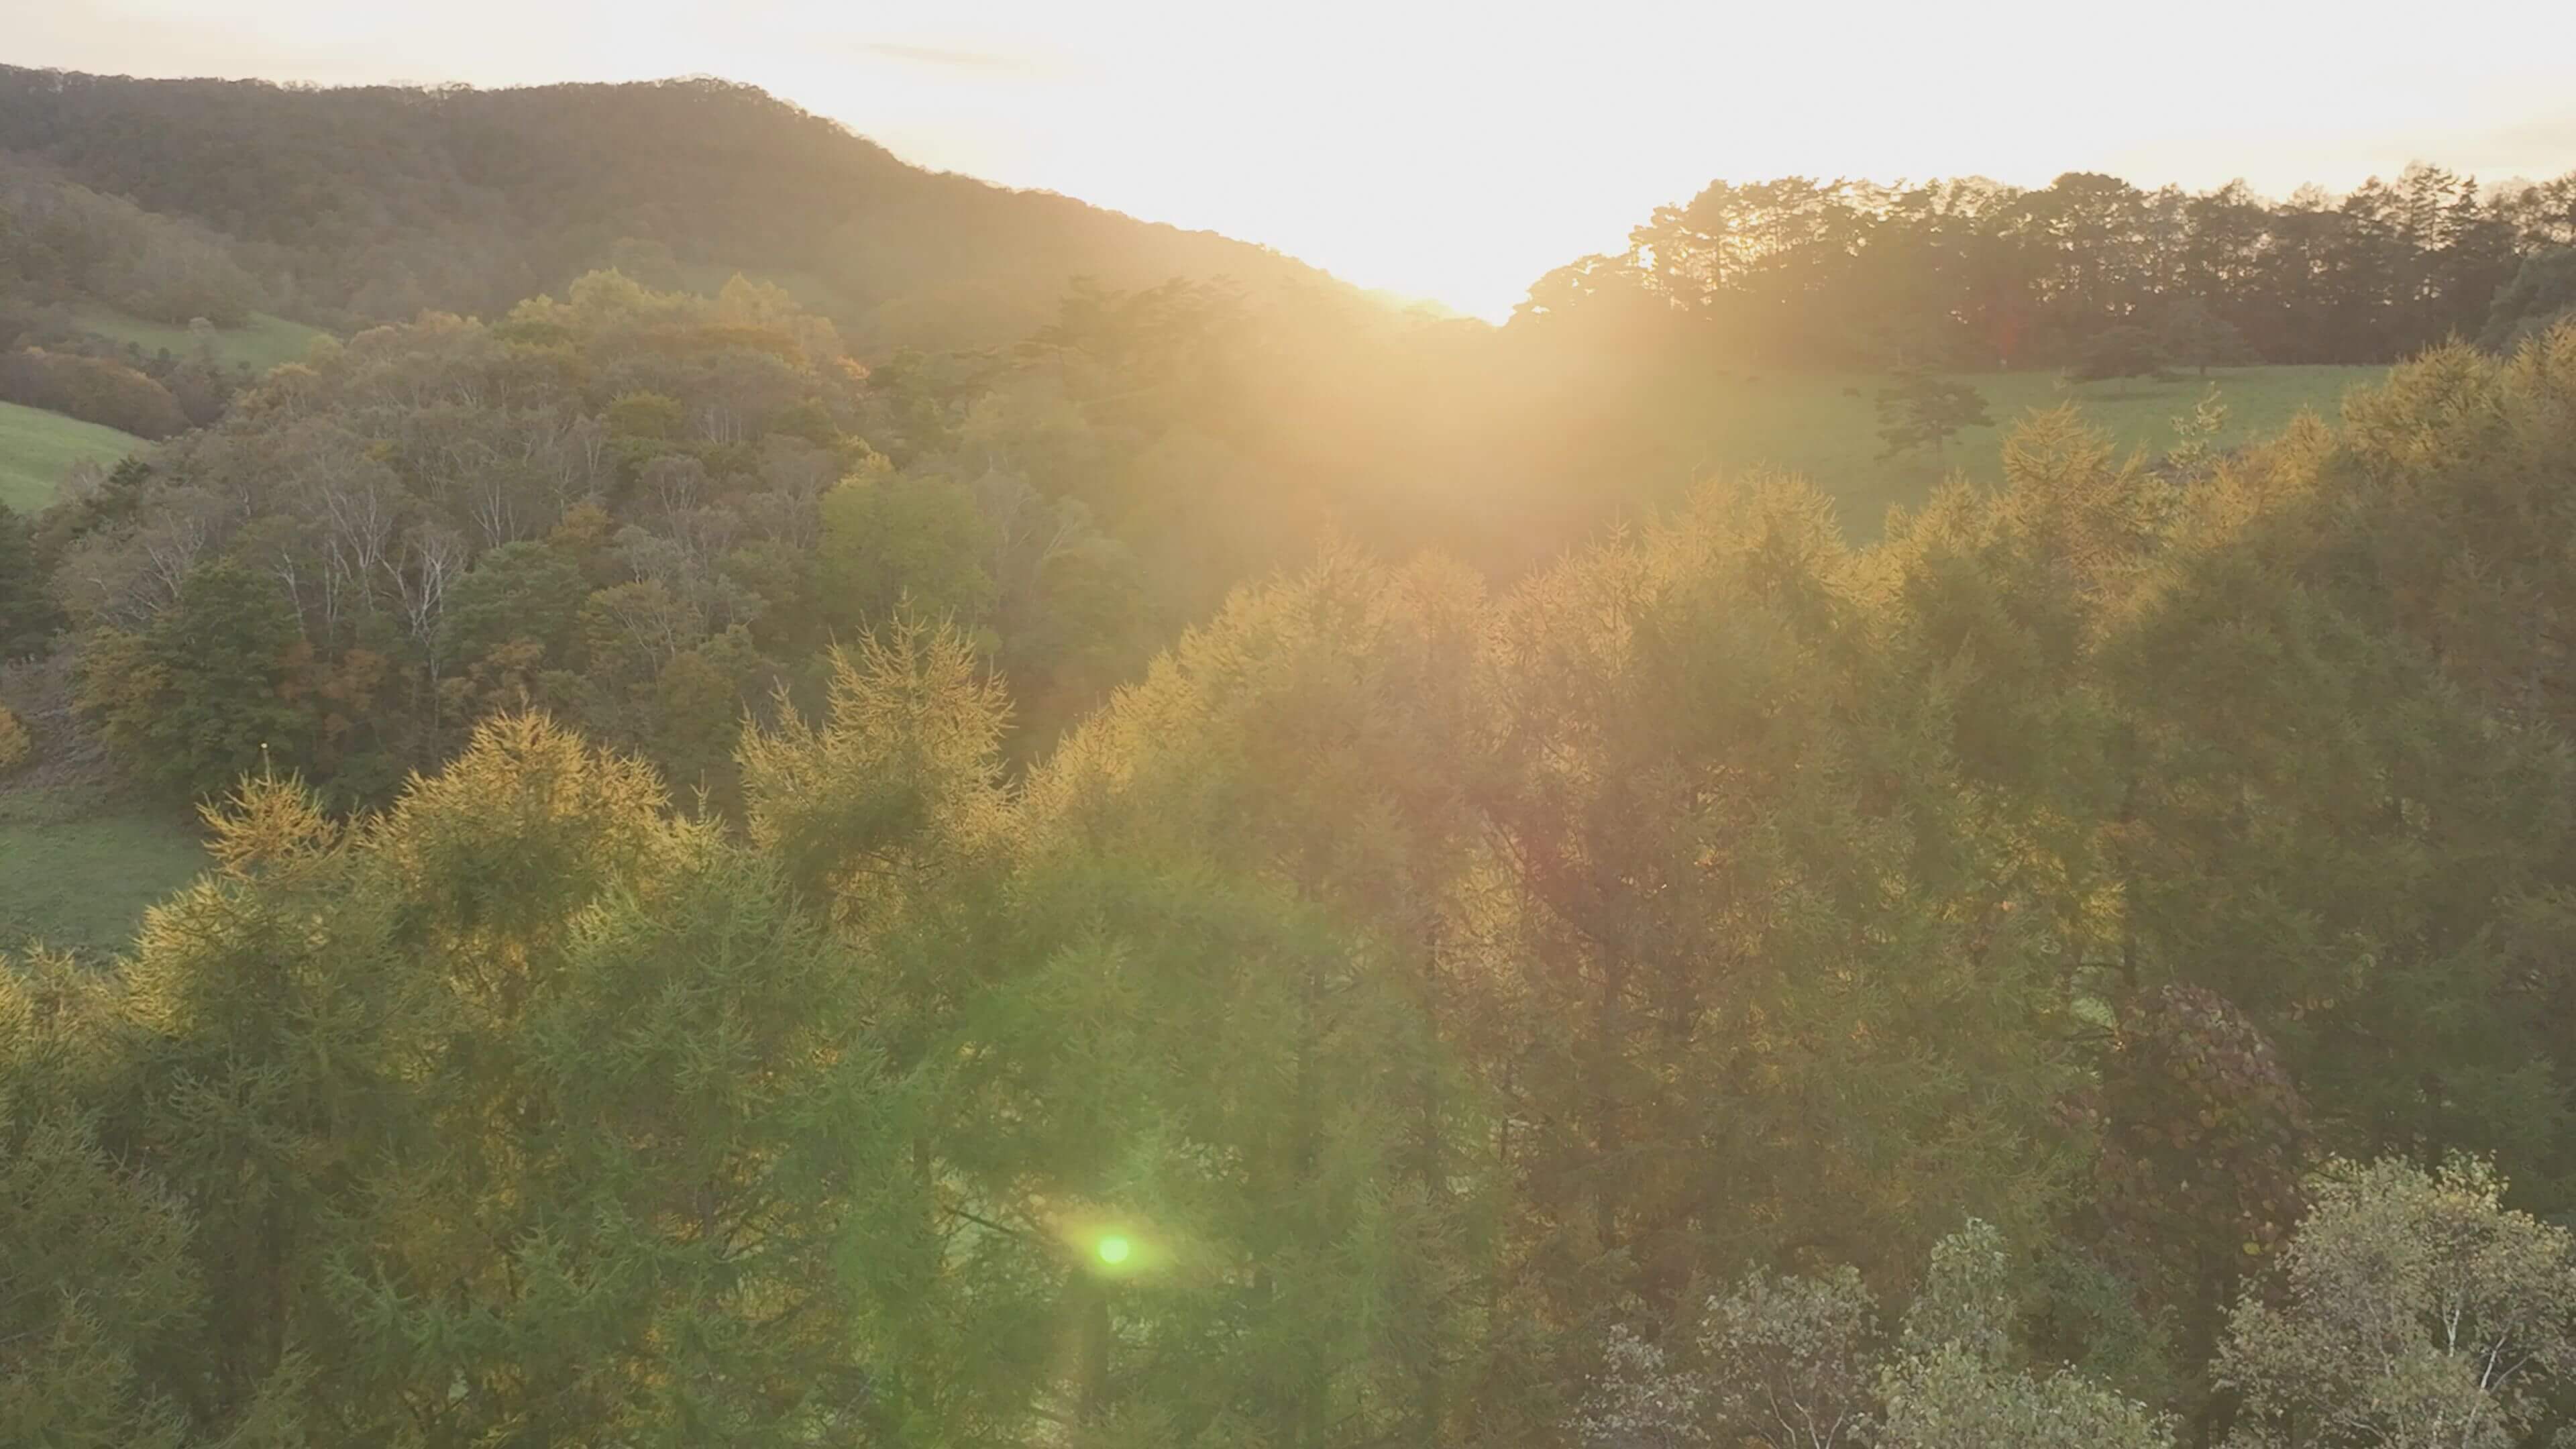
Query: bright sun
{"x": 1459, "y": 153}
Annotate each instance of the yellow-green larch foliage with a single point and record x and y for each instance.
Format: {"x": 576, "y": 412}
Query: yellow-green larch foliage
{"x": 1767, "y": 1004}
{"x": 509, "y": 839}
{"x": 2349, "y": 771}
{"x": 1247, "y": 862}
{"x": 282, "y": 1034}
{"x": 899, "y": 785}
{"x": 97, "y": 1291}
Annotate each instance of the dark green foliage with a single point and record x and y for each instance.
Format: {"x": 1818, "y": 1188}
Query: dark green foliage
{"x": 2541, "y": 294}
{"x": 1926, "y": 410}
{"x": 203, "y": 696}
{"x": 2347, "y": 805}
{"x": 27, "y": 613}
{"x": 520, "y": 590}
{"x": 2189, "y": 332}
{"x": 97, "y": 1281}
{"x": 912, "y": 543}
{"x": 2120, "y": 352}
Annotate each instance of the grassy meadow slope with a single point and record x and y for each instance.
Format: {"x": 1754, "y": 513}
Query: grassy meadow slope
{"x": 1825, "y": 425}
{"x": 37, "y": 448}
{"x": 263, "y": 344}
{"x": 77, "y": 873}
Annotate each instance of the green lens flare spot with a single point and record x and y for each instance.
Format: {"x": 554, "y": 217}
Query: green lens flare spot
{"x": 1113, "y": 1250}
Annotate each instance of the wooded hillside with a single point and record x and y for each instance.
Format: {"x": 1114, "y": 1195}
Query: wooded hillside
{"x": 367, "y": 204}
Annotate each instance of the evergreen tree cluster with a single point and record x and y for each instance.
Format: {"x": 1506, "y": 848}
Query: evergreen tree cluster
{"x": 1423, "y": 1009}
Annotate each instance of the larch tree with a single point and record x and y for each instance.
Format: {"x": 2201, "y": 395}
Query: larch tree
{"x": 1730, "y": 926}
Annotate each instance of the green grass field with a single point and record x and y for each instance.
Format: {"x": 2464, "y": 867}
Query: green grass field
{"x": 77, "y": 874}
{"x": 264, "y": 343}
{"x": 37, "y": 447}
{"x": 1814, "y": 424}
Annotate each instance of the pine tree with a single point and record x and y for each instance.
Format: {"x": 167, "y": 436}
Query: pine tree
{"x": 1923, "y": 409}
{"x": 28, "y": 617}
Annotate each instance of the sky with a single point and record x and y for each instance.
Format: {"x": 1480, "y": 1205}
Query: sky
{"x": 1456, "y": 152}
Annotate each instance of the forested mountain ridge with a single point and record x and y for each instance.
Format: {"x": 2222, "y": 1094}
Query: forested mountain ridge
{"x": 368, "y": 204}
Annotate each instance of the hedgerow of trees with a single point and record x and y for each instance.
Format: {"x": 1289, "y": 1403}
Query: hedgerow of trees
{"x": 1970, "y": 273}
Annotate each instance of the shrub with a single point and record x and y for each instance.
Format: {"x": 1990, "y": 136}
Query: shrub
{"x": 15, "y": 747}
{"x": 92, "y": 389}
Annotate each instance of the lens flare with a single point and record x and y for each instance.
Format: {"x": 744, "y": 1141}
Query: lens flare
{"x": 1113, "y": 1249}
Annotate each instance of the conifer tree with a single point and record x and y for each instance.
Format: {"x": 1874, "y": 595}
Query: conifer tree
{"x": 97, "y": 1290}
{"x": 1281, "y": 779}
{"x": 280, "y": 1032}
{"x": 2346, "y": 779}
{"x": 888, "y": 819}
{"x": 28, "y": 616}
{"x": 1754, "y": 982}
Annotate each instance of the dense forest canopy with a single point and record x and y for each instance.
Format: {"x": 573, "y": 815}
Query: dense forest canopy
{"x": 1037, "y": 831}
{"x": 1421, "y": 1010}
{"x": 602, "y": 503}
